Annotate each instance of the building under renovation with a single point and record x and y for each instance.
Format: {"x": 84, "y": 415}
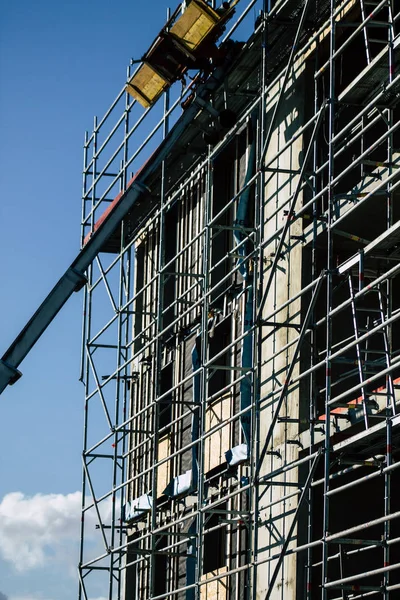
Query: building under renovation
{"x": 241, "y": 334}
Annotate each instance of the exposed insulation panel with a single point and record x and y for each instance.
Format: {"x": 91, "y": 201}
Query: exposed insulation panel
{"x": 164, "y": 471}
{"x": 195, "y": 24}
{"x": 219, "y": 442}
{"x": 146, "y": 86}
{"x": 215, "y": 590}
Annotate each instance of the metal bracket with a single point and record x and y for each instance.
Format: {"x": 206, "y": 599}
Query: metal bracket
{"x": 9, "y": 372}
{"x": 206, "y": 105}
{"x": 81, "y": 279}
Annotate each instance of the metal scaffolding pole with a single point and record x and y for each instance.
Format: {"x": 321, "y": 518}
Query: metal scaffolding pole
{"x": 181, "y": 280}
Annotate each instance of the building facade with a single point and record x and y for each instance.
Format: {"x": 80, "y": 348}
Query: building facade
{"x": 240, "y": 348}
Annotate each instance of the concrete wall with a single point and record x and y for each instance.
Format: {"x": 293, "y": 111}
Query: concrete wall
{"x": 279, "y": 186}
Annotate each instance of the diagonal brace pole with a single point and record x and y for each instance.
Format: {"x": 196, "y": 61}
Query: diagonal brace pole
{"x": 285, "y": 386}
{"x": 95, "y": 504}
{"x": 285, "y": 80}
{"x": 290, "y": 214}
{"x": 106, "y": 284}
{"x": 293, "y": 525}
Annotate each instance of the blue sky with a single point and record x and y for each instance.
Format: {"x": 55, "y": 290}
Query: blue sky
{"x": 60, "y": 64}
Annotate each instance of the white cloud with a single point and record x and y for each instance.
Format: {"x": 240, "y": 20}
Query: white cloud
{"x": 34, "y": 530}
{"x": 43, "y": 531}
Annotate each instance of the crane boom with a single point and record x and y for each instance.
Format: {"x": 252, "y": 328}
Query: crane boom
{"x": 72, "y": 280}
{"x": 74, "y": 277}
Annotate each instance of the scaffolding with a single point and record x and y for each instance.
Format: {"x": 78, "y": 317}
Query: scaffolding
{"x": 240, "y": 349}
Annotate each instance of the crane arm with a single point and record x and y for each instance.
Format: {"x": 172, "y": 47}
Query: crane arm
{"x": 74, "y": 277}
{"x": 72, "y": 281}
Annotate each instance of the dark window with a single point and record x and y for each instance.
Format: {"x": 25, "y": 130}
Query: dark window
{"x": 221, "y": 241}
{"x": 161, "y": 568}
{"x": 165, "y": 405}
{"x": 138, "y": 306}
{"x": 220, "y": 340}
{"x": 170, "y": 242}
{"x": 214, "y": 542}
